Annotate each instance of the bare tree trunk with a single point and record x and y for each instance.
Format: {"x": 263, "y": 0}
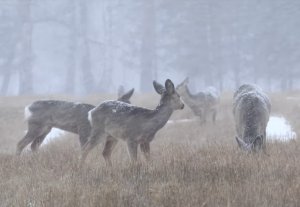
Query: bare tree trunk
{"x": 221, "y": 79}
{"x": 7, "y": 69}
{"x": 283, "y": 83}
{"x": 148, "y": 49}
{"x": 85, "y": 65}
{"x": 5, "y": 81}
{"x": 236, "y": 60}
{"x": 210, "y": 55}
{"x": 72, "y": 53}
{"x": 11, "y": 30}
{"x": 269, "y": 81}
{"x": 237, "y": 80}
{"x": 105, "y": 83}
{"x": 290, "y": 81}
{"x": 25, "y": 70}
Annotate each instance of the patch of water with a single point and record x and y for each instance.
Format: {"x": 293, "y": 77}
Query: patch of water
{"x": 279, "y": 129}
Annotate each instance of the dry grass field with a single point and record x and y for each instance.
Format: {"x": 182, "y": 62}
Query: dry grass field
{"x": 191, "y": 165}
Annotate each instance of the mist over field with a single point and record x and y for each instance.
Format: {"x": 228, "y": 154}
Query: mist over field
{"x": 60, "y": 59}
{"x": 92, "y": 46}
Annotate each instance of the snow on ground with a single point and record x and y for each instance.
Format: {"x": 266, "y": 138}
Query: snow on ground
{"x": 181, "y": 121}
{"x": 293, "y": 98}
{"x": 279, "y": 129}
{"x": 53, "y": 135}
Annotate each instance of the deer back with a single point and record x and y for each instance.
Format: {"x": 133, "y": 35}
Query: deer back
{"x": 251, "y": 109}
{"x": 60, "y": 114}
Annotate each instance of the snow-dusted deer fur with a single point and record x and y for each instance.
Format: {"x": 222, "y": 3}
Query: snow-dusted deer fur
{"x": 251, "y": 110}
{"x": 203, "y": 104}
{"x": 42, "y": 116}
{"x": 114, "y": 120}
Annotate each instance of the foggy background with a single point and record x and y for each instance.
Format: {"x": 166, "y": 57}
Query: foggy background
{"x": 93, "y": 46}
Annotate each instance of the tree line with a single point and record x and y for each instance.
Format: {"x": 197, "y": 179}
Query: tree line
{"x": 91, "y": 46}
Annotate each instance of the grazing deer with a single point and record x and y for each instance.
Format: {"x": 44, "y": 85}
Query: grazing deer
{"x": 251, "y": 110}
{"x": 114, "y": 120}
{"x": 42, "y": 116}
{"x": 203, "y": 104}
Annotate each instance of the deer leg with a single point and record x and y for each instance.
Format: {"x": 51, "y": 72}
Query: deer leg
{"x": 93, "y": 140}
{"x": 145, "y": 148}
{"x": 264, "y": 146}
{"x": 38, "y": 141}
{"x": 204, "y": 116}
{"x": 214, "y": 116}
{"x": 83, "y": 136}
{"x": 132, "y": 150}
{"x": 34, "y": 130}
{"x": 109, "y": 146}
{"x": 201, "y": 115}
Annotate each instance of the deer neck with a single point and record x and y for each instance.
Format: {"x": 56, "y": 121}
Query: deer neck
{"x": 251, "y": 131}
{"x": 161, "y": 115}
{"x": 187, "y": 96}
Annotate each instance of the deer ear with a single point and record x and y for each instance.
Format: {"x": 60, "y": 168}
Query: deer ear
{"x": 120, "y": 91}
{"x": 241, "y": 144}
{"x": 186, "y": 80}
{"x": 169, "y": 86}
{"x": 127, "y": 96}
{"x": 158, "y": 88}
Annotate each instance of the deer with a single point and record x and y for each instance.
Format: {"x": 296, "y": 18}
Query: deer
{"x": 43, "y": 115}
{"x": 202, "y": 104}
{"x": 251, "y": 110}
{"x": 114, "y": 120}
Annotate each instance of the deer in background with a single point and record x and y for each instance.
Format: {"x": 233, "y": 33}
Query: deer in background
{"x": 114, "y": 120}
{"x": 251, "y": 110}
{"x": 203, "y": 104}
{"x": 42, "y": 116}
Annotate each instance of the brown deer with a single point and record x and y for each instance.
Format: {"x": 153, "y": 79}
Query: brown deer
{"x": 203, "y": 104}
{"x": 251, "y": 110}
{"x": 114, "y": 120}
{"x": 42, "y": 116}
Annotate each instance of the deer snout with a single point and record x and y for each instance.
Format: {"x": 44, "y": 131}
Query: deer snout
{"x": 182, "y": 106}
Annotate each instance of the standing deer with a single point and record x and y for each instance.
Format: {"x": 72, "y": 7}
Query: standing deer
{"x": 114, "y": 120}
{"x": 42, "y": 116}
{"x": 251, "y": 110}
{"x": 203, "y": 104}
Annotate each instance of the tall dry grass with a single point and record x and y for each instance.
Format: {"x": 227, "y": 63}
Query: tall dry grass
{"x": 191, "y": 165}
